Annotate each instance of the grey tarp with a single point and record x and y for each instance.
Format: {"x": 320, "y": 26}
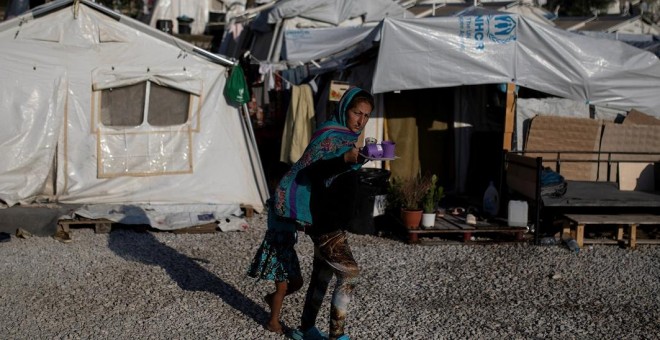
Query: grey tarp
{"x": 501, "y": 48}
{"x": 336, "y": 11}
{"x": 311, "y": 44}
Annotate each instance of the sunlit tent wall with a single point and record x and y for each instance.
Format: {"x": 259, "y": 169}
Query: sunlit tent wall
{"x": 476, "y": 54}
{"x": 102, "y": 110}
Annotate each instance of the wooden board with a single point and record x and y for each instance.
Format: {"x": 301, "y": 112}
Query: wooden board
{"x": 522, "y": 175}
{"x": 636, "y": 176}
{"x": 614, "y": 219}
{"x": 572, "y": 134}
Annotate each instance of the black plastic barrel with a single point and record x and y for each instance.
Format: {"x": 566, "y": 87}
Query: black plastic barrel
{"x": 373, "y": 183}
{"x": 185, "y": 24}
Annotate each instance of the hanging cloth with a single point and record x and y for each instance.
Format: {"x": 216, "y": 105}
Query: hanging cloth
{"x": 299, "y": 124}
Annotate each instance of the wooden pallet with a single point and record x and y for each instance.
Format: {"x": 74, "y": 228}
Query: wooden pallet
{"x": 208, "y": 228}
{"x": 101, "y": 226}
{"x": 248, "y": 210}
{"x": 450, "y": 225}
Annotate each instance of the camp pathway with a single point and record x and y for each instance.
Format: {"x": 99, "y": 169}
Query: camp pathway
{"x": 128, "y": 284}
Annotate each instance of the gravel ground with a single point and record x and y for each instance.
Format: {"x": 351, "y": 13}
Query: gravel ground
{"x": 160, "y": 285}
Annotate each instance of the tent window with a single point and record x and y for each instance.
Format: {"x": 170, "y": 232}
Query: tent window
{"x": 167, "y": 106}
{"x": 123, "y": 106}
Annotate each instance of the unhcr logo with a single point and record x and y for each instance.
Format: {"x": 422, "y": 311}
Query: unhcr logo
{"x": 501, "y": 29}
{"x": 475, "y": 31}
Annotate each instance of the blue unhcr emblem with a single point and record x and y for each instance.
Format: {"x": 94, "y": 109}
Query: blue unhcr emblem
{"x": 501, "y": 28}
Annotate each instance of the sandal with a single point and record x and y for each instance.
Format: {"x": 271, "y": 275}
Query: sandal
{"x": 311, "y": 334}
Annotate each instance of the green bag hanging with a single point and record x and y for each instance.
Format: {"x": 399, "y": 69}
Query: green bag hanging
{"x": 236, "y": 89}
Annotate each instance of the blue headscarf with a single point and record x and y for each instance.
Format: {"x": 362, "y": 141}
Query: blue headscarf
{"x": 332, "y": 139}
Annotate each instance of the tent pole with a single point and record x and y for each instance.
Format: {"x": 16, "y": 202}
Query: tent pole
{"x": 386, "y": 136}
{"x": 251, "y": 142}
{"x": 274, "y": 41}
{"x": 509, "y": 116}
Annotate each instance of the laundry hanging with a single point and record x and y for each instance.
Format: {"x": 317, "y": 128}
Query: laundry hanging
{"x": 299, "y": 124}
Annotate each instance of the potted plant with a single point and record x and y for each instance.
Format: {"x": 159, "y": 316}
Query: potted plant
{"x": 408, "y": 195}
{"x": 431, "y": 199}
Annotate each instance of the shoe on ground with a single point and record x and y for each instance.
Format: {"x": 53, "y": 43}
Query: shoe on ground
{"x": 5, "y": 237}
{"x": 311, "y": 334}
{"x": 343, "y": 337}
{"x": 22, "y": 233}
{"x": 62, "y": 236}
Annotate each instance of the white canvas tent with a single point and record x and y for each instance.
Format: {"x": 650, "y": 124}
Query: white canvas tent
{"x": 504, "y": 48}
{"x": 102, "y": 110}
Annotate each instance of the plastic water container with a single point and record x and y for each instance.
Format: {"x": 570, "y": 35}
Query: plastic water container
{"x": 517, "y": 213}
{"x": 572, "y": 244}
{"x": 491, "y": 202}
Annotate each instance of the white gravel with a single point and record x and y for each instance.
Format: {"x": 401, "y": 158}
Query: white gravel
{"x": 160, "y": 285}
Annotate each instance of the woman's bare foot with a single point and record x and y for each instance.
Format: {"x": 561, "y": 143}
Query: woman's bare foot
{"x": 272, "y": 325}
{"x": 275, "y": 328}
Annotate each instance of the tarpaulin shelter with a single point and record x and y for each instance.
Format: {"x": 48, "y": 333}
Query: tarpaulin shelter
{"x": 100, "y": 109}
{"x": 492, "y": 48}
{"x": 269, "y": 25}
{"x": 308, "y": 36}
{"x": 508, "y": 48}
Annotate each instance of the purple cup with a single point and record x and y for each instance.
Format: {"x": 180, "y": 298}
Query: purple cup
{"x": 373, "y": 151}
{"x": 388, "y": 148}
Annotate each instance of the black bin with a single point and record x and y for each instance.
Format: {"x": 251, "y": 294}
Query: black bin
{"x": 373, "y": 182}
{"x": 185, "y": 24}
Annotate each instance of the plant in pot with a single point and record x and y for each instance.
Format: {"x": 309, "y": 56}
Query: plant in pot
{"x": 431, "y": 199}
{"x": 408, "y": 194}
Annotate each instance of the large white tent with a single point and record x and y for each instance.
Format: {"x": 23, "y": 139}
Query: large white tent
{"x": 100, "y": 109}
{"x": 492, "y": 48}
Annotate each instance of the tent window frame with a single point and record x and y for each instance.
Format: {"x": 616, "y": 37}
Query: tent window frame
{"x": 194, "y": 104}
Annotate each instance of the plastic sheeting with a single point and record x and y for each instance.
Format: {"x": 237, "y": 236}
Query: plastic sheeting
{"x": 309, "y": 44}
{"x": 502, "y": 48}
{"x": 336, "y": 11}
{"x": 32, "y": 102}
{"x": 48, "y": 104}
{"x": 167, "y": 217}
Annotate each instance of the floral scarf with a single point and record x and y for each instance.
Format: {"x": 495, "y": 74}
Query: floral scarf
{"x": 332, "y": 139}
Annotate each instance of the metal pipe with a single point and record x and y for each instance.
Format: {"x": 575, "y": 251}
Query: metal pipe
{"x": 259, "y": 175}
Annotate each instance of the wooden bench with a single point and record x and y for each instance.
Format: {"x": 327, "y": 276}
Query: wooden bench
{"x": 575, "y": 224}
